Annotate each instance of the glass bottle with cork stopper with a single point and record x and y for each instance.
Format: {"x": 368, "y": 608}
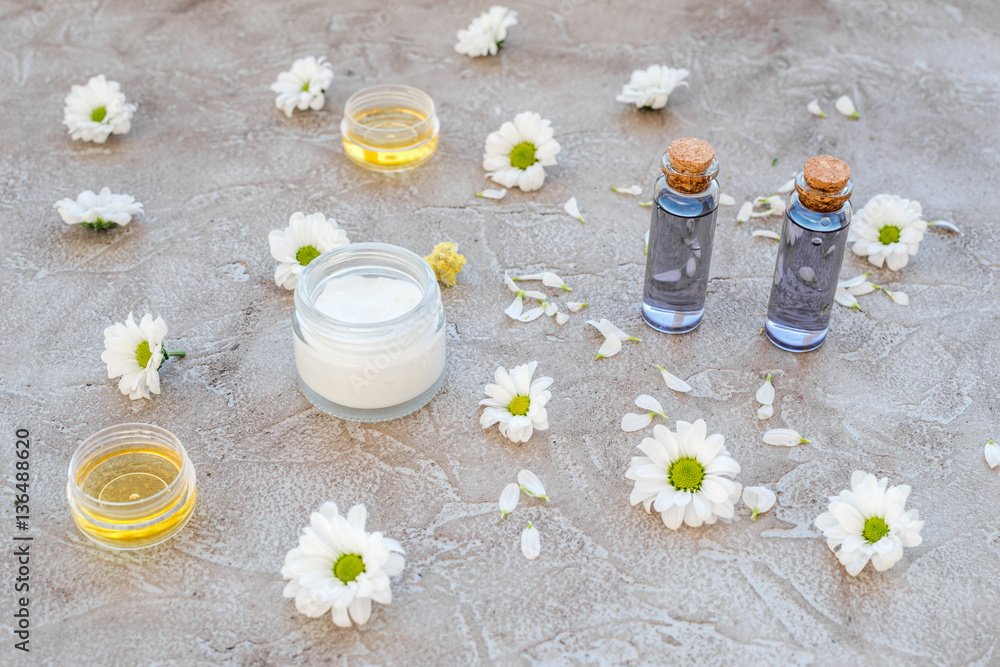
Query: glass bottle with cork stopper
{"x": 685, "y": 204}
{"x": 810, "y": 254}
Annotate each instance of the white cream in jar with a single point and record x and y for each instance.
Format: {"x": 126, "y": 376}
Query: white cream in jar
{"x": 369, "y": 334}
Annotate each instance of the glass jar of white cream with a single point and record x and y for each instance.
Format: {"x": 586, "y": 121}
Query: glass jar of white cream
{"x": 369, "y": 332}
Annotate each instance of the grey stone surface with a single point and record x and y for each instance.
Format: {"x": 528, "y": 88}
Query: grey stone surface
{"x": 908, "y": 393}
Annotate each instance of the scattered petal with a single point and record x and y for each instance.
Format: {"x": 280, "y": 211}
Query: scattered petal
{"x": 645, "y": 243}
{"x": 633, "y": 422}
{"x": 992, "y": 453}
{"x": 673, "y": 382}
{"x": 784, "y": 437}
{"x": 726, "y": 200}
{"x": 814, "y": 108}
{"x": 944, "y": 224}
{"x": 628, "y": 190}
{"x": 845, "y": 105}
{"x": 530, "y": 315}
{"x": 562, "y": 318}
{"x": 548, "y": 279}
{"x": 745, "y": 212}
{"x": 576, "y": 306}
{"x": 492, "y": 194}
{"x": 758, "y": 499}
{"x": 765, "y": 394}
{"x": 647, "y": 402}
{"x": 508, "y": 499}
{"x": 900, "y": 298}
{"x": 765, "y": 412}
{"x": 787, "y": 187}
{"x": 574, "y": 210}
{"x": 531, "y": 542}
{"x": 531, "y": 485}
{"x": 845, "y": 298}
{"x": 766, "y": 234}
{"x": 775, "y": 206}
{"x": 646, "y": 204}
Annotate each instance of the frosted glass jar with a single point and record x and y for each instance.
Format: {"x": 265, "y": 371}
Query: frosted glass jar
{"x": 363, "y": 351}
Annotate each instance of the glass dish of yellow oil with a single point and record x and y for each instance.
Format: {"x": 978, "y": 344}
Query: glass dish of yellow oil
{"x": 389, "y": 128}
{"x": 131, "y": 486}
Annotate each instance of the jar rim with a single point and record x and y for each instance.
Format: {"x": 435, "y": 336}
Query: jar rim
{"x": 393, "y": 93}
{"x": 122, "y": 430}
{"x": 422, "y": 271}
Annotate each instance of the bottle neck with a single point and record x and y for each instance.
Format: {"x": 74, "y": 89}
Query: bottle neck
{"x": 822, "y": 201}
{"x": 687, "y": 182}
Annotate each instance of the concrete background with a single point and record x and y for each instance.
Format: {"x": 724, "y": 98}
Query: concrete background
{"x": 908, "y": 393}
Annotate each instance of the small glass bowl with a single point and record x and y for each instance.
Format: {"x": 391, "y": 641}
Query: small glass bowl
{"x": 390, "y": 128}
{"x": 131, "y": 486}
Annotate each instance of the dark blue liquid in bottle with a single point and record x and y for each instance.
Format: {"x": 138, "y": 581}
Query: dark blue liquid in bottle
{"x": 810, "y": 255}
{"x": 681, "y": 231}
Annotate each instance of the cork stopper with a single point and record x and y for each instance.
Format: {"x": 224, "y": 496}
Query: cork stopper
{"x": 824, "y": 184}
{"x": 687, "y": 164}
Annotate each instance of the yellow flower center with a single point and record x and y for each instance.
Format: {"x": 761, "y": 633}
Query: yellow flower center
{"x": 143, "y": 354}
{"x": 888, "y": 234}
{"x": 305, "y": 87}
{"x": 306, "y": 254}
{"x": 519, "y": 406}
{"x": 875, "y": 529}
{"x": 98, "y": 114}
{"x": 523, "y": 155}
{"x": 348, "y": 567}
{"x": 686, "y": 474}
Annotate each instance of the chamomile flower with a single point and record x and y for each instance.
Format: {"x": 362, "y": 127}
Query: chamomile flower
{"x": 135, "y": 352}
{"x": 517, "y": 403}
{"x": 97, "y": 110}
{"x": 870, "y": 522}
{"x": 758, "y": 500}
{"x": 304, "y": 86}
{"x": 637, "y": 422}
{"x": 651, "y": 87}
{"x": 887, "y": 230}
{"x": 515, "y": 310}
{"x": 306, "y": 238}
{"x": 487, "y": 32}
{"x": 684, "y": 476}
{"x": 516, "y": 154}
{"x": 98, "y": 211}
{"x": 446, "y": 261}
{"x": 341, "y": 568}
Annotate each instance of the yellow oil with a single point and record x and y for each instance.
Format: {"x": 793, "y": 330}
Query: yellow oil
{"x": 400, "y": 150}
{"x": 129, "y": 475}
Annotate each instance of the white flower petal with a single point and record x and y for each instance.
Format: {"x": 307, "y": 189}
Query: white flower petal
{"x": 508, "y": 498}
{"x": 726, "y": 200}
{"x": 634, "y": 190}
{"x": 992, "y": 453}
{"x": 672, "y": 381}
{"x": 571, "y": 207}
{"x": 784, "y": 437}
{"x": 845, "y": 298}
{"x": 814, "y": 108}
{"x": 758, "y": 499}
{"x": 531, "y": 485}
{"x": 492, "y": 194}
{"x": 900, "y": 298}
{"x": 845, "y": 105}
{"x": 944, "y": 224}
{"x": 766, "y": 234}
{"x": 576, "y": 306}
{"x": 647, "y": 402}
{"x": 633, "y": 422}
{"x": 746, "y": 210}
{"x": 531, "y": 542}
{"x": 765, "y": 394}
{"x": 765, "y": 412}
{"x": 786, "y": 187}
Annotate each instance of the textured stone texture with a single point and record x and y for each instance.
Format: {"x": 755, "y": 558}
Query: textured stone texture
{"x": 909, "y": 393}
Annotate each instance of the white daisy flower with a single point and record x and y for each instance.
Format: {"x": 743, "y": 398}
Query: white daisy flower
{"x": 634, "y": 190}
{"x": 613, "y": 338}
{"x": 814, "y": 108}
{"x": 775, "y": 206}
{"x": 758, "y": 499}
{"x": 887, "y": 230}
{"x": 634, "y": 422}
{"x": 492, "y": 194}
{"x": 766, "y": 234}
{"x": 341, "y": 568}
{"x": 746, "y": 210}
{"x": 784, "y": 437}
{"x": 306, "y": 238}
{"x": 531, "y": 485}
{"x": 576, "y": 306}
{"x": 508, "y": 499}
{"x": 765, "y": 393}
{"x": 304, "y": 86}
{"x": 97, "y": 110}
{"x": 515, "y": 310}
{"x": 517, "y": 403}
{"x": 548, "y": 279}
{"x": 651, "y": 87}
{"x": 673, "y": 382}
{"x": 516, "y": 153}
{"x": 765, "y": 412}
{"x": 101, "y": 211}
{"x": 992, "y": 452}
{"x": 870, "y": 522}
{"x": 726, "y": 200}
{"x": 531, "y": 542}
{"x": 571, "y": 207}
{"x": 683, "y": 476}
{"x": 135, "y": 352}
{"x": 845, "y": 105}
{"x": 487, "y": 32}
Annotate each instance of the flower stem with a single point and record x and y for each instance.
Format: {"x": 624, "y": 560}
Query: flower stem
{"x": 167, "y": 354}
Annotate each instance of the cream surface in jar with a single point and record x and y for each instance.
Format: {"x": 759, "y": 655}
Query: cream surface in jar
{"x": 369, "y": 333}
